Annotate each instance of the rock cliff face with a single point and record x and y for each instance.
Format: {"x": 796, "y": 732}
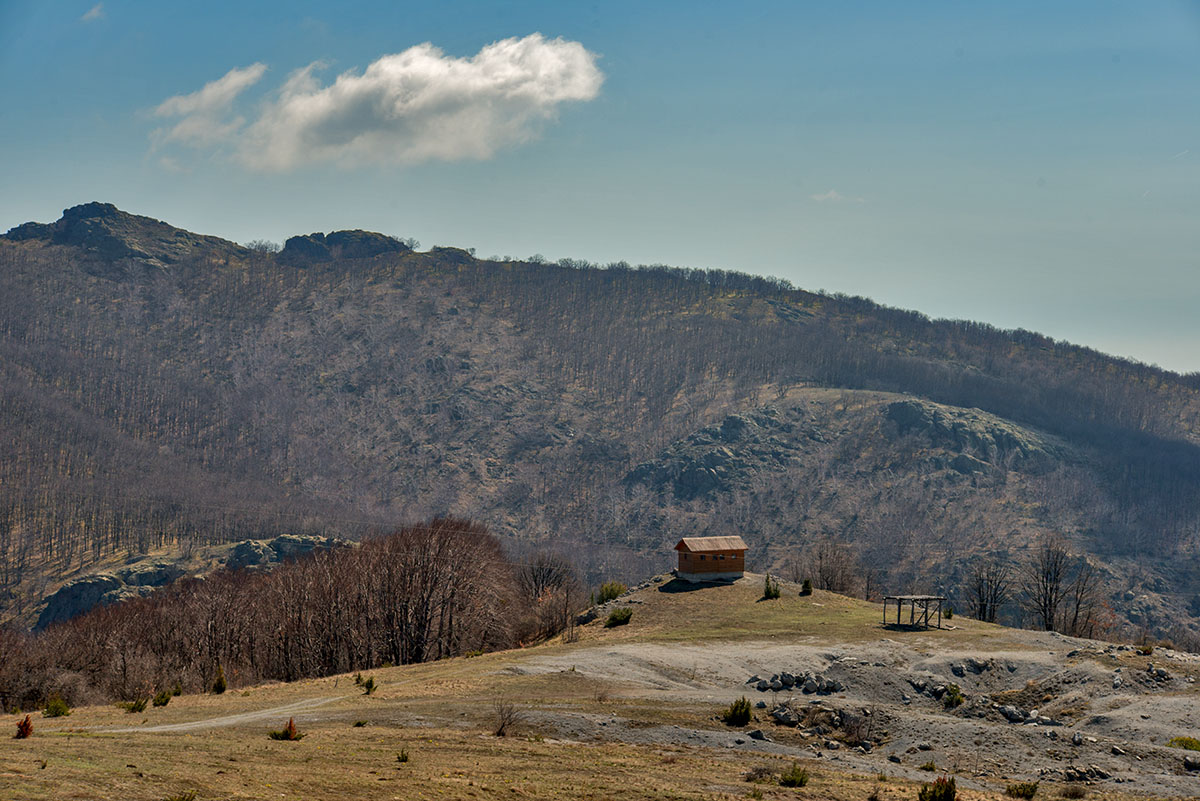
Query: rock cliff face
{"x": 141, "y": 578}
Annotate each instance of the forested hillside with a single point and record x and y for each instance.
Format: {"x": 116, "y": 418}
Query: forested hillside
{"x": 161, "y": 390}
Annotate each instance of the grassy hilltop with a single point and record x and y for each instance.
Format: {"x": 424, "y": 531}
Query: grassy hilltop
{"x": 631, "y": 712}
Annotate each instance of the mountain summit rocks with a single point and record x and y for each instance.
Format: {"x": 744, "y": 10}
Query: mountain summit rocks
{"x": 110, "y": 235}
{"x": 356, "y": 244}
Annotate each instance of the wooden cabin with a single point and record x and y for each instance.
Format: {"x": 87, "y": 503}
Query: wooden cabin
{"x": 711, "y": 558}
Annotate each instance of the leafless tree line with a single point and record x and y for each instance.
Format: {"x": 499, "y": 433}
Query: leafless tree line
{"x": 421, "y": 593}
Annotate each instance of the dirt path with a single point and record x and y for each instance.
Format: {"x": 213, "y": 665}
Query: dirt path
{"x": 287, "y": 710}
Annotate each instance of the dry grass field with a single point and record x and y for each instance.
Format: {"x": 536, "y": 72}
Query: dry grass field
{"x": 622, "y": 713}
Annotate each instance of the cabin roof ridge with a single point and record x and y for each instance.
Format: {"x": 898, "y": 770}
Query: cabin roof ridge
{"x": 724, "y": 543}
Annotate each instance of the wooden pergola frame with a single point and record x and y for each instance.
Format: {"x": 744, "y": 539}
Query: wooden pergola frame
{"x": 913, "y": 601}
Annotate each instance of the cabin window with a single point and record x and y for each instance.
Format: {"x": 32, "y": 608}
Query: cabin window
{"x": 721, "y": 556}
{"x": 701, "y": 557}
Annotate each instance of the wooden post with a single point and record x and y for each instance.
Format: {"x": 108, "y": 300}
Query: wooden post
{"x": 939, "y": 613}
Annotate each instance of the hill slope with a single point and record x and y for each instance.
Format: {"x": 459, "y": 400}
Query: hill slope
{"x": 162, "y": 390}
{"x": 632, "y": 712}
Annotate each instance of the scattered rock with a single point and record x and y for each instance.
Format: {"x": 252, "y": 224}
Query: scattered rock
{"x": 1012, "y": 713}
{"x": 757, "y": 734}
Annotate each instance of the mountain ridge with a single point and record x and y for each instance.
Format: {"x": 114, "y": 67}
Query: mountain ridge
{"x": 241, "y": 394}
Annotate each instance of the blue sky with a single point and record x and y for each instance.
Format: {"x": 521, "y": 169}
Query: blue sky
{"x": 1026, "y": 164}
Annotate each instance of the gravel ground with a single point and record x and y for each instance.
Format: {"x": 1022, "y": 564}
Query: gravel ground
{"x": 1122, "y": 730}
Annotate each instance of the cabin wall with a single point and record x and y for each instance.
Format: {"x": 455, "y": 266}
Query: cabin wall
{"x": 712, "y": 562}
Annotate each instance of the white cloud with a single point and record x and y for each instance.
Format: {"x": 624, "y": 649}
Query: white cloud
{"x": 94, "y": 13}
{"x": 203, "y": 113}
{"x": 411, "y": 107}
{"x": 834, "y": 196}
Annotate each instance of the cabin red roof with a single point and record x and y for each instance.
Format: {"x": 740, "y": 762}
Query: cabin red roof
{"x": 706, "y": 544}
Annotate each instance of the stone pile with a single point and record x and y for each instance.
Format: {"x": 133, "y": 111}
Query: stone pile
{"x": 806, "y": 682}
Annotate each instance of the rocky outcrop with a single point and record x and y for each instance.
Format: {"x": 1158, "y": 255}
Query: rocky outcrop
{"x": 983, "y": 442}
{"x": 142, "y": 578}
{"x": 151, "y": 574}
{"x": 356, "y": 244}
{"x": 78, "y": 596}
{"x": 290, "y": 546}
{"x": 110, "y": 235}
{"x": 723, "y": 457}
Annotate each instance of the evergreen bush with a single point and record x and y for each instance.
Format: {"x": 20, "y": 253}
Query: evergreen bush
{"x": 288, "y": 732}
{"x": 219, "y": 685}
{"x": 618, "y": 617}
{"x": 795, "y": 776}
{"x": 610, "y": 591}
{"x": 941, "y": 790}
{"x": 56, "y": 707}
{"x": 737, "y": 713}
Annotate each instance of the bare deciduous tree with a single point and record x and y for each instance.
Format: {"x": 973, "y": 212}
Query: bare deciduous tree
{"x": 1043, "y": 580}
{"x": 987, "y": 589}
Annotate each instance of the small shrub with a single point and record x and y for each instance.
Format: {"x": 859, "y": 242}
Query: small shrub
{"x": 24, "y": 728}
{"x": 162, "y": 698}
{"x": 358, "y": 679}
{"x": 1190, "y": 743}
{"x": 190, "y": 795}
{"x": 755, "y": 792}
{"x": 618, "y": 617}
{"x": 770, "y": 588}
{"x": 610, "y": 591}
{"x": 795, "y": 776}
{"x": 948, "y": 612}
{"x": 1146, "y": 649}
{"x": 737, "y": 713}
{"x": 941, "y": 790}
{"x": 219, "y": 685}
{"x": 1074, "y": 791}
{"x": 288, "y": 732}
{"x": 177, "y": 690}
{"x": 506, "y": 716}
{"x": 358, "y": 724}
{"x": 56, "y": 707}
{"x": 473, "y": 654}
{"x": 928, "y": 766}
{"x": 402, "y": 757}
{"x": 369, "y": 686}
{"x": 953, "y": 697}
{"x": 136, "y": 705}
{"x": 876, "y": 795}
{"x": 806, "y": 587}
{"x": 1021, "y": 790}
{"x": 760, "y": 774}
